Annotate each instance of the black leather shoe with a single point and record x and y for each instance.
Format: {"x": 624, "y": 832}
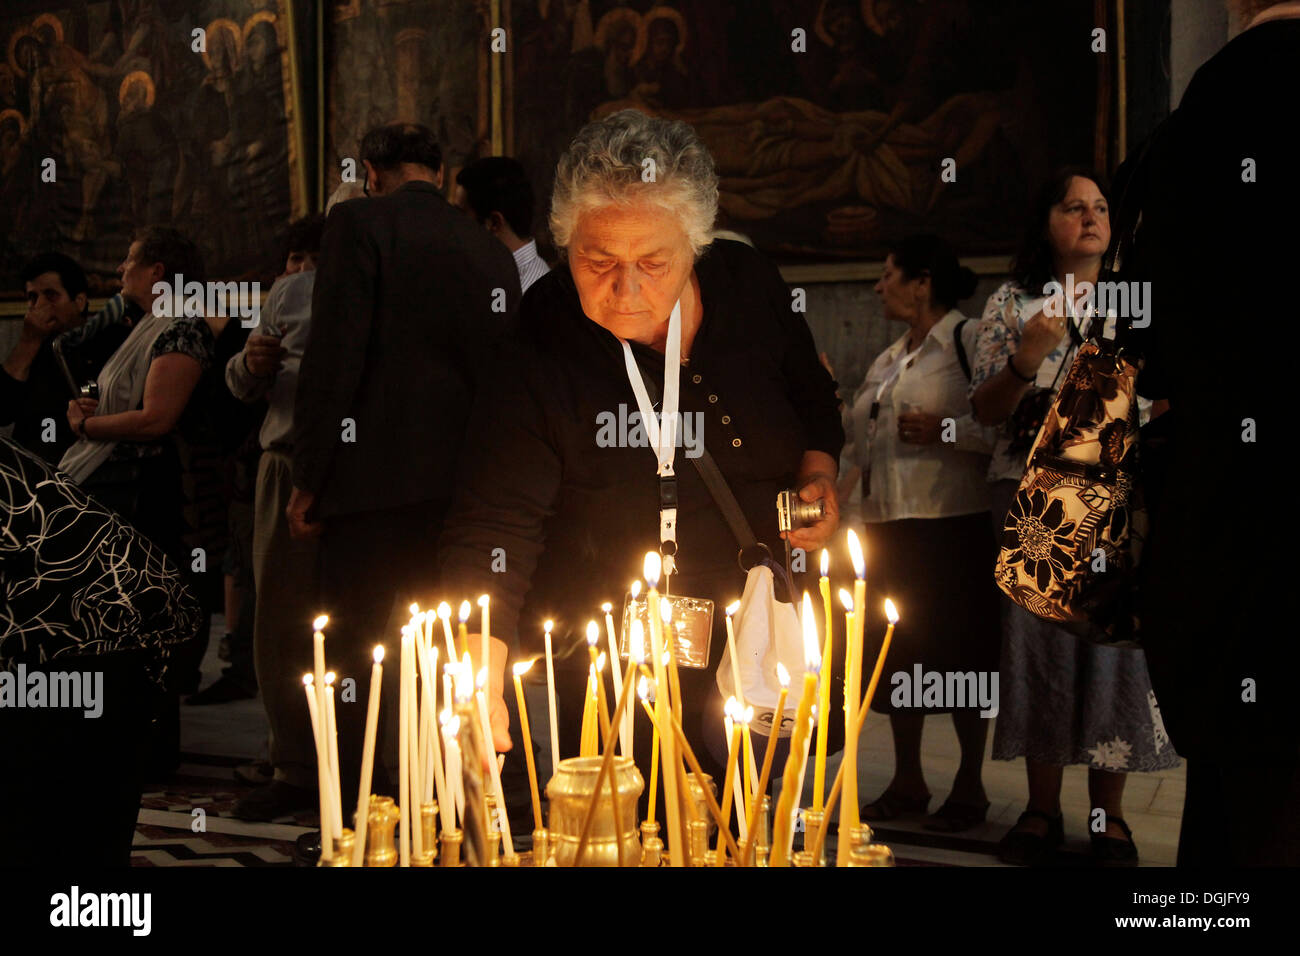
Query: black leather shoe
{"x": 1022, "y": 848}
{"x": 1112, "y": 851}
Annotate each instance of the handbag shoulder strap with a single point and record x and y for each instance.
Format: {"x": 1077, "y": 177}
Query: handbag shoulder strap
{"x": 961, "y": 348}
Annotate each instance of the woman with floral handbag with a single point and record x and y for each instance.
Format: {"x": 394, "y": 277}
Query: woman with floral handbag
{"x": 1065, "y": 700}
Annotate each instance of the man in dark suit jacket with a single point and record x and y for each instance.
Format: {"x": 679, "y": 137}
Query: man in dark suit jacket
{"x": 410, "y": 300}
{"x": 1219, "y": 191}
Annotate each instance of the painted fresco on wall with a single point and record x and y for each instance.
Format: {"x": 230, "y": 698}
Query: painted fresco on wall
{"x": 142, "y": 129}
{"x": 410, "y": 60}
{"x": 828, "y": 152}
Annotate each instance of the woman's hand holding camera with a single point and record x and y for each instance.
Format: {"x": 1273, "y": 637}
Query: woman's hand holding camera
{"x": 79, "y": 409}
{"x": 919, "y": 428}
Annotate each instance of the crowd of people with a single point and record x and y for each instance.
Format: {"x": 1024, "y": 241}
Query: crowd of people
{"x": 413, "y": 419}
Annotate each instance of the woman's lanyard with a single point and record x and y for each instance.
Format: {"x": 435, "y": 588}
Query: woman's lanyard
{"x": 663, "y": 434}
{"x": 903, "y": 363}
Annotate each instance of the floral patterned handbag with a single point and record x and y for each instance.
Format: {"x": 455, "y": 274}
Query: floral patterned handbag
{"x": 1073, "y": 535}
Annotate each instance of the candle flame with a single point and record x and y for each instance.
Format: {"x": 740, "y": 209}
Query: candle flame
{"x": 414, "y": 608}
{"x": 451, "y": 728}
{"x": 600, "y": 662}
{"x": 732, "y": 608}
{"x": 308, "y": 680}
{"x": 652, "y": 569}
{"x": 730, "y": 707}
{"x": 607, "y": 607}
{"x": 636, "y": 589}
{"x": 891, "y": 612}
{"x": 847, "y": 600}
{"x": 547, "y": 626}
{"x": 379, "y": 653}
{"x": 782, "y": 674}
{"x": 811, "y": 650}
{"x": 636, "y": 639}
{"x": 747, "y": 715}
{"x": 666, "y": 611}
{"x": 433, "y": 650}
{"x": 667, "y": 658}
{"x": 329, "y": 678}
{"x": 523, "y": 667}
{"x": 593, "y": 633}
{"x": 480, "y": 681}
{"x": 483, "y": 600}
{"x": 444, "y": 716}
{"x": 826, "y": 562}
{"x": 642, "y": 688}
{"x": 463, "y": 615}
{"x": 320, "y": 622}
{"x": 855, "y": 553}
{"x": 444, "y": 611}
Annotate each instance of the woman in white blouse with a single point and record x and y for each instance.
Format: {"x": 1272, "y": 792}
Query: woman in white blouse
{"x": 925, "y": 502}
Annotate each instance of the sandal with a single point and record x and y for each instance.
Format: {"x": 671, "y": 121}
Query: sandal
{"x": 953, "y": 817}
{"x": 1022, "y": 848}
{"x": 1112, "y": 851}
{"x": 891, "y": 805}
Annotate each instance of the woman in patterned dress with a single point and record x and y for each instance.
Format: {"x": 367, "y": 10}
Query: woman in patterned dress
{"x": 1064, "y": 701}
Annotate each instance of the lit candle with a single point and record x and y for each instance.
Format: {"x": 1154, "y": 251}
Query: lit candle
{"x": 738, "y": 690}
{"x": 332, "y": 737}
{"x": 625, "y": 726}
{"x": 643, "y": 691}
{"x": 852, "y": 694}
{"x": 444, "y": 615}
{"x": 527, "y": 741}
{"x": 783, "y": 824}
{"x": 416, "y": 779}
{"x": 891, "y": 614}
{"x": 404, "y": 752}
{"x": 652, "y": 569}
{"x": 732, "y": 775}
{"x": 445, "y": 810}
{"x": 593, "y": 638}
{"x": 550, "y": 701}
{"x": 750, "y": 775}
{"x": 494, "y": 767}
{"x": 318, "y": 658}
{"x": 485, "y": 647}
{"x": 783, "y": 676}
{"x": 451, "y": 745}
{"x": 462, "y": 631}
{"x": 586, "y": 740}
{"x": 322, "y": 768}
{"x": 824, "y": 689}
{"x": 368, "y": 757}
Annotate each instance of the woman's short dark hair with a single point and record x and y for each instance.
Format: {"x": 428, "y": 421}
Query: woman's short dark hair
{"x": 928, "y": 255}
{"x": 387, "y": 147}
{"x": 175, "y": 250}
{"x": 1032, "y": 266}
{"x": 304, "y": 234}
{"x": 71, "y": 276}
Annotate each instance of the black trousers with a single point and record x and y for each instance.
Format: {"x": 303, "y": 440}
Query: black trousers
{"x": 373, "y": 566}
{"x": 1241, "y": 813}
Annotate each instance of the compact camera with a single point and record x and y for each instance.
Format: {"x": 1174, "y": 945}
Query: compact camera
{"x": 90, "y": 390}
{"x": 793, "y": 513}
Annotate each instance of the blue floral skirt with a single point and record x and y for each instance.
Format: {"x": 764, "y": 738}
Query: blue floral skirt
{"x": 1065, "y": 701}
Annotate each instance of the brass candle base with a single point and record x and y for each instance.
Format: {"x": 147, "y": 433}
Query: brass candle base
{"x": 652, "y": 848}
{"x": 381, "y": 847}
{"x": 451, "y": 841}
{"x": 803, "y": 858}
{"x": 423, "y": 859}
{"x": 541, "y": 846}
{"x": 342, "y": 850}
{"x": 875, "y": 854}
{"x": 699, "y": 834}
{"x": 429, "y": 828}
{"x": 510, "y": 860}
{"x": 494, "y": 848}
{"x": 813, "y": 821}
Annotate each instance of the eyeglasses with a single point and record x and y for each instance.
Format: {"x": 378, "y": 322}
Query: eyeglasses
{"x": 365, "y": 186}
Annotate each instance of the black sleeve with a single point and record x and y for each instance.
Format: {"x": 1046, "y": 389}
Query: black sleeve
{"x": 809, "y": 387}
{"x": 342, "y": 314}
{"x": 509, "y": 478}
{"x": 12, "y": 393}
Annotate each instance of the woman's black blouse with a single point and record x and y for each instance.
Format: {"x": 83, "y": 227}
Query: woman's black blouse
{"x": 570, "y": 521}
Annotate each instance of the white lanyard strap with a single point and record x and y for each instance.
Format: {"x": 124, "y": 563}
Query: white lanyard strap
{"x": 662, "y": 433}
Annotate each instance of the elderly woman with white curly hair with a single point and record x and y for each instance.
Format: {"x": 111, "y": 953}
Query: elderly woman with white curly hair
{"x": 561, "y": 490}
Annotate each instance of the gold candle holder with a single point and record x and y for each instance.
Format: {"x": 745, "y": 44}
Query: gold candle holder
{"x": 813, "y": 821}
{"x": 699, "y": 833}
{"x": 860, "y": 836}
{"x": 570, "y": 792}
{"x": 342, "y": 849}
{"x": 541, "y": 846}
{"x": 381, "y": 847}
{"x": 763, "y": 845}
{"x": 875, "y": 854}
{"x": 451, "y": 841}
{"x": 652, "y": 848}
{"x": 493, "y": 832}
{"x": 429, "y": 828}
{"x": 803, "y": 858}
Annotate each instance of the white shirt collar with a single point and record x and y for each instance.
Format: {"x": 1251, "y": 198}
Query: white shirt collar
{"x": 525, "y": 253}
